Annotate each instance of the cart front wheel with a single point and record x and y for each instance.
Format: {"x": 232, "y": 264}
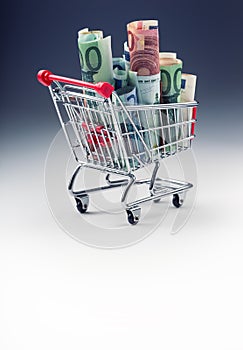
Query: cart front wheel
{"x": 177, "y": 200}
{"x": 82, "y": 203}
{"x": 133, "y": 215}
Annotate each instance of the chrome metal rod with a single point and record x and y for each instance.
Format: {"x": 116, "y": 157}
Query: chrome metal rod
{"x": 158, "y": 195}
{"x": 153, "y": 178}
{"x": 111, "y": 184}
{"x": 71, "y": 182}
{"x": 129, "y": 185}
{"x": 115, "y": 182}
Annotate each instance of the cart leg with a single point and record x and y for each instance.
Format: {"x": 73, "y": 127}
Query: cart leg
{"x": 81, "y": 197}
{"x": 131, "y": 181}
{"x": 133, "y": 211}
{"x": 71, "y": 182}
{"x": 153, "y": 177}
{"x": 110, "y": 184}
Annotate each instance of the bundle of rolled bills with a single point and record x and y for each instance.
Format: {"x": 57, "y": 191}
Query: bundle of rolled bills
{"x": 142, "y": 76}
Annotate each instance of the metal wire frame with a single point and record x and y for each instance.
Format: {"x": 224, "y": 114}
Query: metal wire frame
{"x": 119, "y": 139}
{"x": 122, "y": 138}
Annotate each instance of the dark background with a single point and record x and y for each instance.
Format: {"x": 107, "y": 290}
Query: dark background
{"x": 207, "y": 36}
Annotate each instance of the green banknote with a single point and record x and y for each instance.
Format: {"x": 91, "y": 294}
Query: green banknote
{"x": 171, "y": 82}
{"x": 119, "y": 62}
{"x": 120, "y": 78}
{"x": 95, "y": 56}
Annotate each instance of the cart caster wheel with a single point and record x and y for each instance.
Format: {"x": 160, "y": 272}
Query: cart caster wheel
{"x": 82, "y": 203}
{"x": 177, "y": 200}
{"x": 133, "y": 215}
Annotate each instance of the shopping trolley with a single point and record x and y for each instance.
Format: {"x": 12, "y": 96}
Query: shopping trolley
{"x": 106, "y": 135}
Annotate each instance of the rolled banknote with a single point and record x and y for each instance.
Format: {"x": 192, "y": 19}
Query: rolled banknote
{"x": 143, "y": 43}
{"x": 95, "y": 56}
{"x": 89, "y": 35}
{"x": 149, "y": 88}
{"x": 126, "y": 55}
{"x": 118, "y": 62}
{"x": 170, "y": 70}
{"x": 133, "y": 81}
{"x": 120, "y": 78}
{"x": 127, "y": 95}
{"x": 188, "y": 88}
{"x": 132, "y": 140}
{"x": 149, "y": 94}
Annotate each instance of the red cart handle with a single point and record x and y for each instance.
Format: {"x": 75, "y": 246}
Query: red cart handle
{"x": 46, "y": 77}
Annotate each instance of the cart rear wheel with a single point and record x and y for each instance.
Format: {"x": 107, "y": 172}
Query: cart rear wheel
{"x": 133, "y": 215}
{"x": 82, "y": 203}
{"x": 177, "y": 200}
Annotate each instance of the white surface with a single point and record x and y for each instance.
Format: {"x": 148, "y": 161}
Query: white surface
{"x": 170, "y": 292}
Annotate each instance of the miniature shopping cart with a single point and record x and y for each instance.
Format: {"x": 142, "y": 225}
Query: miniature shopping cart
{"x": 114, "y": 138}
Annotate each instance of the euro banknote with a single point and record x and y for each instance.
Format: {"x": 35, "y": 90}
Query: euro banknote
{"x": 120, "y": 78}
{"x": 188, "y": 89}
{"x": 95, "y": 56}
{"x": 143, "y": 43}
{"x": 170, "y": 93}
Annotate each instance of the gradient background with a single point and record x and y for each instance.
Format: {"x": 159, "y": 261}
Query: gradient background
{"x": 170, "y": 292}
